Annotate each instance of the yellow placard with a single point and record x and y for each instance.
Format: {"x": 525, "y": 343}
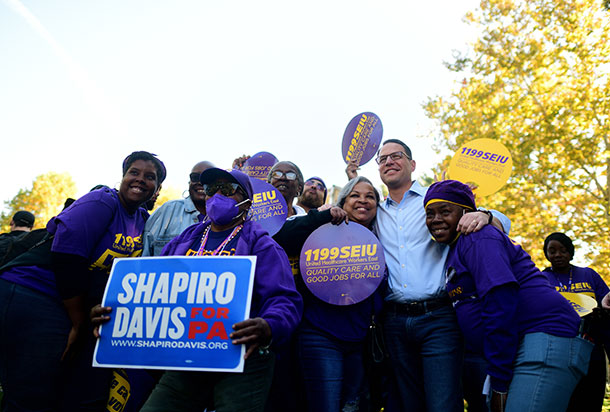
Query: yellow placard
{"x": 582, "y": 304}
{"x": 120, "y": 389}
{"x": 485, "y": 162}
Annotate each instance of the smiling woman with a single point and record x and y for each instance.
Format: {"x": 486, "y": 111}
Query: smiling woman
{"x": 138, "y": 184}
{"x": 51, "y": 342}
{"x": 522, "y": 330}
{"x": 359, "y": 199}
{"x": 329, "y": 344}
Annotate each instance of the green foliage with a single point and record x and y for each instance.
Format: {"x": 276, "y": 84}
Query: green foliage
{"x": 45, "y": 199}
{"x": 537, "y": 80}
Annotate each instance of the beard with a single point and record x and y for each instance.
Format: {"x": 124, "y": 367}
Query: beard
{"x": 310, "y": 200}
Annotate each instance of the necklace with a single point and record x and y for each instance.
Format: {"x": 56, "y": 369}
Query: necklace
{"x": 569, "y": 281}
{"x": 220, "y": 247}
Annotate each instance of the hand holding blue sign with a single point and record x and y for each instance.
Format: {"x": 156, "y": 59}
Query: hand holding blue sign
{"x": 176, "y": 312}
{"x": 99, "y": 315}
{"x": 255, "y": 333}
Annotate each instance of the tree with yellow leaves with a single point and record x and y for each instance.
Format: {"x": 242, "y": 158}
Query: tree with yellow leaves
{"x": 537, "y": 80}
{"x": 45, "y": 199}
{"x": 166, "y": 194}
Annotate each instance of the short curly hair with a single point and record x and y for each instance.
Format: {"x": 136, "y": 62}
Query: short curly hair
{"x": 143, "y": 155}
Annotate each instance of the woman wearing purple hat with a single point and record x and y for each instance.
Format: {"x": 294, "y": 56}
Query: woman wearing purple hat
{"x": 509, "y": 314}
{"x": 46, "y": 293}
{"x": 275, "y": 310}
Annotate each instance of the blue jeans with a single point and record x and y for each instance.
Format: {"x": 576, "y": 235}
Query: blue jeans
{"x": 333, "y": 370}
{"x": 547, "y": 369}
{"x": 426, "y": 356}
{"x": 34, "y": 331}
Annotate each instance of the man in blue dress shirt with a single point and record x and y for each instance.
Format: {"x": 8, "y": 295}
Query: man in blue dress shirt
{"x": 422, "y": 334}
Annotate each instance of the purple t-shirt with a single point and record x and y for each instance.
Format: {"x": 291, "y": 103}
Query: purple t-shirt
{"x": 584, "y": 280}
{"x": 99, "y": 228}
{"x": 34, "y": 277}
{"x": 96, "y": 227}
{"x": 499, "y": 296}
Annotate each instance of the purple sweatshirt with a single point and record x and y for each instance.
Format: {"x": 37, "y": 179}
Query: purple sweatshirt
{"x": 499, "y": 296}
{"x": 274, "y": 296}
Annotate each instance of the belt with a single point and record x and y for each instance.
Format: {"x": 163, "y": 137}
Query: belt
{"x": 417, "y": 308}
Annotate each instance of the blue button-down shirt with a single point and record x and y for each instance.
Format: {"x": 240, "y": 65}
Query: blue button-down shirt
{"x": 416, "y": 263}
{"x": 166, "y": 223}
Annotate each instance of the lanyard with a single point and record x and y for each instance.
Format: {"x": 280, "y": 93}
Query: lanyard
{"x": 569, "y": 281}
{"x": 220, "y": 247}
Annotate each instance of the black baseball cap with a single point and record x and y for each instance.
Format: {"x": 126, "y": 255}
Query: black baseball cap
{"x": 23, "y": 218}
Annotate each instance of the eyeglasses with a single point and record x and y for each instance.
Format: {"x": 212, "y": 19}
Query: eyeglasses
{"x": 195, "y": 177}
{"x": 396, "y": 156}
{"x": 288, "y": 175}
{"x": 316, "y": 185}
{"x": 226, "y": 188}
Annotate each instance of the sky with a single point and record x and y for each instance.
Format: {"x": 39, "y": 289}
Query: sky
{"x": 85, "y": 83}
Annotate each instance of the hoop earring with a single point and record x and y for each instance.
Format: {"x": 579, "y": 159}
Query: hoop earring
{"x": 185, "y": 194}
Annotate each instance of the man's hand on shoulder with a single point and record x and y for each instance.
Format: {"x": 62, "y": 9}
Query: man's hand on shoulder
{"x": 473, "y": 222}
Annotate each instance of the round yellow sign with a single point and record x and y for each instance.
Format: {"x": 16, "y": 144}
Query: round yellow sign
{"x": 582, "y": 304}
{"x": 485, "y": 162}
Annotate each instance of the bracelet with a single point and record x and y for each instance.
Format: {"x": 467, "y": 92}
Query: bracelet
{"x": 264, "y": 350}
{"x": 491, "y": 217}
{"x": 487, "y": 212}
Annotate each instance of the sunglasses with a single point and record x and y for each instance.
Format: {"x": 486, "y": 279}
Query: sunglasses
{"x": 289, "y": 175}
{"x": 315, "y": 185}
{"x": 226, "y": 188}
{"x": 195, "y": 177}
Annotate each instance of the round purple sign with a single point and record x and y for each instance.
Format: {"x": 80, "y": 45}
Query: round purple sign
{"x": 268, "y": 206}
{"x": 259, "y": 165}
{"x": 362, "y": 138}
{"x": 343, "y": 264}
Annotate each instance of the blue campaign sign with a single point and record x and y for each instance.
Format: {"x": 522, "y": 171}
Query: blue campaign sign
{"x": 176, "y": 312}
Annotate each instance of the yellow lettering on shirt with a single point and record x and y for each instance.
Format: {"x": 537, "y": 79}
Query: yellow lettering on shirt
{"x": 455, "y": 292}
